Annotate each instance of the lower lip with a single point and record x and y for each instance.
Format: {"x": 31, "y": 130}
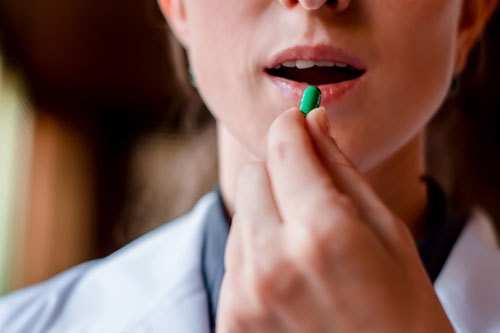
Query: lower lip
{"x": 330, "y": 92}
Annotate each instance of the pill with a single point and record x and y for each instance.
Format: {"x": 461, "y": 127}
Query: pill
{"x": 311, "y": 99}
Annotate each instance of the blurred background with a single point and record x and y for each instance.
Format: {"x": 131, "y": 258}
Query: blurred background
{"x": 92, "y": 137}
{"x": 102, "y": 139}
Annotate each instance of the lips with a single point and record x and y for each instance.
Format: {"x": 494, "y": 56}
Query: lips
{"x": 325, "y": 53}
{"x": 333, "y": 70}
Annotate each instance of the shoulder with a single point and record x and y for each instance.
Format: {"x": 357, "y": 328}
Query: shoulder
{"x": 468, "y": 285}
{"x": 117, "y": 292}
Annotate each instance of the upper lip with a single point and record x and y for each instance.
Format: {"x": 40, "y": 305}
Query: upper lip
{"x": 316, "y": 53}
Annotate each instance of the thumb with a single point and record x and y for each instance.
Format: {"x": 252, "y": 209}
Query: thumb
{"x": 345, "y": 175}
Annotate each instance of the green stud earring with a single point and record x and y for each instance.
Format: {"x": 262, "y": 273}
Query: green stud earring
{"x": 454, "y": 87}
{"x": 191, "y": 77}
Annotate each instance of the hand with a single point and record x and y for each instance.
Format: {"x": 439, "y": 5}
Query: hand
{"x": 313, "y": 249}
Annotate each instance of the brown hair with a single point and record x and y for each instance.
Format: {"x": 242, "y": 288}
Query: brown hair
{"x": 463, "y": 137}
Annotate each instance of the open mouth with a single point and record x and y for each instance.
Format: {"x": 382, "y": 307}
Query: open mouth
{"x": 315, "y": 72}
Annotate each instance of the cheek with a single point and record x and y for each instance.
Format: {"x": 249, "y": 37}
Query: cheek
{"x": 415, "y": 52}
{"x": 212, "y": 51}
{"x": 419, "y": 58}
{"x": 222, "y": 56}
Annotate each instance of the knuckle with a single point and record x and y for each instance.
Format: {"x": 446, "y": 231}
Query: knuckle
{"x": 273, "y": 282}
{"x": 328, "y": 242}
{"x": 241, "y": 319}
{"x": 280, "y": 149}
{"x": 345, "y": 203}
{"x": 237, "y": 315}
{"x": 344, "y": 241}
{"x": 311, "y": 252}
{"x": 281, "y": 143}
{"x": 333, "y": 224}
{"x": 329, "y": 205}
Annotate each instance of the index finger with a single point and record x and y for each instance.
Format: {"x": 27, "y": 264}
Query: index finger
{"x": 296, "y": 172}
{"x": 349, "y": 180}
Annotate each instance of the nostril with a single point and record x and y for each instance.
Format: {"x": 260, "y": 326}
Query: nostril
{"x": 340, "y": 5}
{"x": 288, "y": 3}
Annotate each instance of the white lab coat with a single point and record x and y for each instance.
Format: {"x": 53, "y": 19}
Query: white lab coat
{"x": 155, "y": 284}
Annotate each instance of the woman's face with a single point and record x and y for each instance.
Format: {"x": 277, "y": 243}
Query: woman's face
{"x": 403, "y": 52}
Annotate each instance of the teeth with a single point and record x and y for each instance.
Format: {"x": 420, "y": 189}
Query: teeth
{"x": 304, "y": 64}
{"x": 325, "y": 64}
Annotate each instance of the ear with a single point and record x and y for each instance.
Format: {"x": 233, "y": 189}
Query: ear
{"x": 175, "y": 14}
{"x": 474, "y": 17}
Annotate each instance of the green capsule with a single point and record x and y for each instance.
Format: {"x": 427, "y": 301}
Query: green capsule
{"x": 311, "y": 99}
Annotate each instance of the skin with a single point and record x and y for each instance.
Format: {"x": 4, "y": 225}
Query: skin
{"x": 324, "y": 222}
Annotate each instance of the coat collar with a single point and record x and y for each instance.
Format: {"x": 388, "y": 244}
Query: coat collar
{"x": 153, "y": 284}
{"x": 468, "y": 285}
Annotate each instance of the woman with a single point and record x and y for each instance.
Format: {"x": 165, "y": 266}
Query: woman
{"x": 325, "y": 210}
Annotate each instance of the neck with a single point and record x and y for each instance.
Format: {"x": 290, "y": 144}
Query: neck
{"x": 396, "y": 179}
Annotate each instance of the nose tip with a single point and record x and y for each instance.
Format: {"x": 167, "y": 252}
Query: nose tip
{"x": 340, "y": 5}
{"x": 312, "y": 4}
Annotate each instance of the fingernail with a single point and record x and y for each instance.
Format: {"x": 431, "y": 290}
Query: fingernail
{"x": 322, "y": 120}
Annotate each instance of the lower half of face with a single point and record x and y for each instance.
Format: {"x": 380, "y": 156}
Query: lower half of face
{"x": 384, "y": 67}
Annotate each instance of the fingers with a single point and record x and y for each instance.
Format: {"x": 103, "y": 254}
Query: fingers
{"x": 256, "y": 218}
{"x": 302, "y": 186}
{"x": 263, "y": 270}
{"x": 254, "y": 198}
{"x": 345, "y": 175}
